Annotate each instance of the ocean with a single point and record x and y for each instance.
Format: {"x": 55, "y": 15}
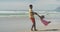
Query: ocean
{"x": 48, "y": 14}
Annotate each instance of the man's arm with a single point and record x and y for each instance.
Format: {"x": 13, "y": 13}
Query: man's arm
{"x": 37, "y": 14}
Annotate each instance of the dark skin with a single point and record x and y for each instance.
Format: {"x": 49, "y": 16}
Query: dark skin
{"x": 34, "y": 24}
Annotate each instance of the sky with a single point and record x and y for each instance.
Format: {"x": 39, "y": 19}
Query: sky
{"x": 24, "y": 4}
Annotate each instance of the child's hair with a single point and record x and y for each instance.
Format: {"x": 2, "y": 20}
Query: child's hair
{"x": 42, "y": 17}
{"x": 31, "y": 6}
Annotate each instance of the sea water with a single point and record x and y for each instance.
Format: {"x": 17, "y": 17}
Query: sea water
{"x": 47, "y": 14}
{"x": 53, "y": 15}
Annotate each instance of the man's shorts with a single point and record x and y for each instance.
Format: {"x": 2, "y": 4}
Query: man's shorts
{"x": 33, "y": 20}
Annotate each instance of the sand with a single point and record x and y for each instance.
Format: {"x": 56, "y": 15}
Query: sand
{"x": 23, "y": 24}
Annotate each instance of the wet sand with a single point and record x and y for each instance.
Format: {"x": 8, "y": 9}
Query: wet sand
{"x": 23, "y": 24}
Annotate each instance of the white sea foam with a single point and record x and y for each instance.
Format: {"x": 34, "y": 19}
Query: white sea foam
{"x": 48, "y": 14}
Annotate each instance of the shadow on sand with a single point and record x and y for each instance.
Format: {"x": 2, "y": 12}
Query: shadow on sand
{"x": 51, "y": 30}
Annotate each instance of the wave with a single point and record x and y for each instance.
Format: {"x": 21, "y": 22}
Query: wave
{"x": 28, "y": 11}
{"x": 51, "y": 14}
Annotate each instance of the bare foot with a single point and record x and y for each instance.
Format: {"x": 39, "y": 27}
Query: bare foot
{"x": 31, "y": 29}
{"x": 35, "y": 30}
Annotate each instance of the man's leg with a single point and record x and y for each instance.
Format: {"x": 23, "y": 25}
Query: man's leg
{"x": 35, "y": 26}
{"x": 32, "y": 27}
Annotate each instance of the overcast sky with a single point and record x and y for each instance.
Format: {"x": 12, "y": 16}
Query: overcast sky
{"x": 24, "y": 4}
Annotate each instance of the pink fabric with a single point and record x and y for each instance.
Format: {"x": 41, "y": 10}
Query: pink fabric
{"x": 44, "y": 22}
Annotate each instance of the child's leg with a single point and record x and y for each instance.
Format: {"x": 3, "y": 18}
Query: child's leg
{"x": 45, "y": 22}
{"x": 49, "y": 21}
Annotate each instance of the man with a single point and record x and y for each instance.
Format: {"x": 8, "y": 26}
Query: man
{"x": 31, "y": 16}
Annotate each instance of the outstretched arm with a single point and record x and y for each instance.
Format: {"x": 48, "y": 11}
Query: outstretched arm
{"x": 37, "y": 14}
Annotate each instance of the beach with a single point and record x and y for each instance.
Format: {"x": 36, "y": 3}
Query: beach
{"x": 23, "y": 24}
{"x": 14, "y": 15}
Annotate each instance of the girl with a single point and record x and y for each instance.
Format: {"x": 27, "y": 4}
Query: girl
{"x": 45, "y": 22}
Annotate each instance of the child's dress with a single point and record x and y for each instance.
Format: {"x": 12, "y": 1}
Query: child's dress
{"x": 45, "y": 22}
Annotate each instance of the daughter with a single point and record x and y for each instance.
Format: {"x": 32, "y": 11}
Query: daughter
{"x": 45, "y": 22}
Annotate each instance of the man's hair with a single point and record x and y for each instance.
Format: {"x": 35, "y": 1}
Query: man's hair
{"x": 31, "y": 6}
